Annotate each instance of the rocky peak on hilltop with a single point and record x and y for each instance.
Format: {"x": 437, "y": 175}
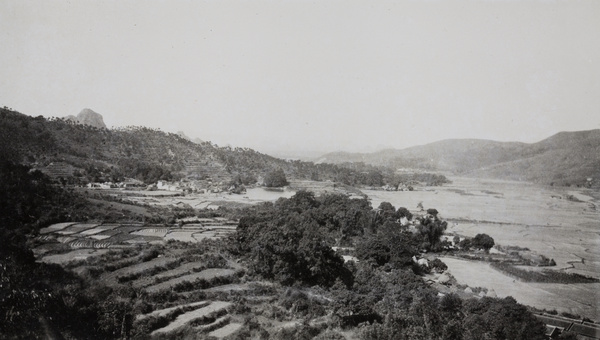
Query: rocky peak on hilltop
{"x": 194, "y": 140}
{"x": 88, "y": 117}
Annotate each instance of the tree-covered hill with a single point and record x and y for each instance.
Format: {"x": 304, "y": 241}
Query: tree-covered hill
{"x": 82, "y": 153}
{"x": 137, "y": 152}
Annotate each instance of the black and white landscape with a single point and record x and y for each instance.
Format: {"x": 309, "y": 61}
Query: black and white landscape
{"x": 295, "y": 170}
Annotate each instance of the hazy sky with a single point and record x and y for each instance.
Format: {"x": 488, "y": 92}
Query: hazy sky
{"x": 309, "y": 75}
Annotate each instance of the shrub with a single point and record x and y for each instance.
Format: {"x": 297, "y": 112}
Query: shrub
{"x": 275, "y": 179}
{"x": 438, "y": 265}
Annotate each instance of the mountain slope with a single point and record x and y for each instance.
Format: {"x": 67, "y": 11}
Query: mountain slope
{"x": 138, "y": 152}
{"x": 565, "y": 158}
{"x": 80, "y": 153}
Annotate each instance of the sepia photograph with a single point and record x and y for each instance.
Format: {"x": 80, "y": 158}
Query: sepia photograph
{"x": 295, "y": 169}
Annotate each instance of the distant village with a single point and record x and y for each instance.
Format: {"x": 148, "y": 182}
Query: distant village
{"x": 187, "y": 186}
{"x": 182, "y": 186}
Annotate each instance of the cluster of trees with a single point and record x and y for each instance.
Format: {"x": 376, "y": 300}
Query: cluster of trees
{"x": 397, "y": 304}
{"x": 275, "y": 179}
{"x": 29, "y": 200}
{"x": 545, "y": 276}
{"x": 431, "y": 228}
{"x": 360, "y": 173}
{"x": 481, "y": 241}
{"x": 291, "y": 240}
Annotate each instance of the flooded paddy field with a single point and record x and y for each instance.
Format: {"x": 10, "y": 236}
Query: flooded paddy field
{"x": 89, "y": 239}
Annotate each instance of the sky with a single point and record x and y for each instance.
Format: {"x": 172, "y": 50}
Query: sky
{"x": 309, "y": 77}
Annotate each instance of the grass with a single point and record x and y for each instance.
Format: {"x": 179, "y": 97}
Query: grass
{"x": 157, "y": 232}
{"x": 56, "y": 227}
{"x": 545, "y": 276}
{"x": 166, "y": 311}
{"x": 208, "y": 274}
{"x": 75, "y": 255}
{"x": 194, "y": 316}
{"x": 184, "y": 236}
{"x": 135, "y": 271}
{"x": 226, "y": 330}
{"x": 183, "y": 269}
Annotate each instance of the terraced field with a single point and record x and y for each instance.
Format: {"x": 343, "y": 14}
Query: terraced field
{"x": 207, "y": 274}
{"x": 121, "y": 253}
{"x": 101, "y": 236}
{"x": 202, "y": 307}
{"x": 181, "y": 270}
{"x": 55, "y": 227}
{"x": 167, "y": 311}
{"x": 226, "y": 330}
{"x": 200, "y": 315}
{"x": 75, "y": 255}
{"x": 139, "y": 269}
{"x": 180, "y": 290}
{"x": 210, "y": 315}
{"x": 77, "y": 228}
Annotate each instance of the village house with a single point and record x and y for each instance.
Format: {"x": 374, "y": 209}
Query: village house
{"x": 129, "y": 183}
{"x": 106, "y": 185}
{"x": 164, "y": 185}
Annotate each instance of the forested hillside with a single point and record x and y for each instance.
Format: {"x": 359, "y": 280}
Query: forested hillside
{"x": 77, "y": 153}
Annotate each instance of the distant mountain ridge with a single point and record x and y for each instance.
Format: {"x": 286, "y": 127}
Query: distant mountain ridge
{"x": 564, "y": 158}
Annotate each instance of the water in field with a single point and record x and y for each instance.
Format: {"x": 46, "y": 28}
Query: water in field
{"x": 261, "y": 194}
{"x": 537, "y": 217}
{"x": 580, "y": 299}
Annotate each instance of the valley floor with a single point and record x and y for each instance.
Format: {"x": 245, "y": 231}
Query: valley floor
{"x": 545, "y": 220}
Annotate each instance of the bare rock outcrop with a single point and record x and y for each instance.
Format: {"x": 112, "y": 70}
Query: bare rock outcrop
{"x": 88, "y": 117}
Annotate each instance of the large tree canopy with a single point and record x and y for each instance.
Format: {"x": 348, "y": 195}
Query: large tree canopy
{"x": 482, "y": 241}
{"x": 290, "y": 241}
{"x": 276, "y": 179}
